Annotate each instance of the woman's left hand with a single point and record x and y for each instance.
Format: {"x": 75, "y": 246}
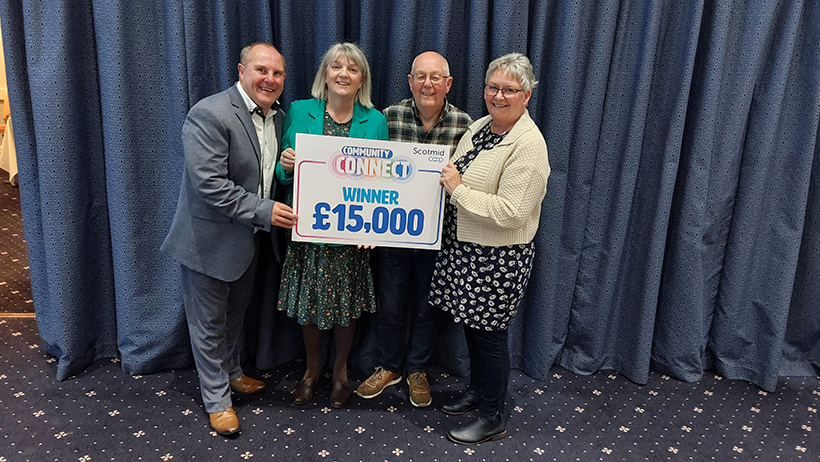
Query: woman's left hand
{"x": 450, "y": 179}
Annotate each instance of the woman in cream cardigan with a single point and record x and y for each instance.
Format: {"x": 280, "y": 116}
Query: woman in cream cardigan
{"x": 496, "y": 180}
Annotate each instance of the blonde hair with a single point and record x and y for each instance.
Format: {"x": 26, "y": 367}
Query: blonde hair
{"x": 354, "y": 54}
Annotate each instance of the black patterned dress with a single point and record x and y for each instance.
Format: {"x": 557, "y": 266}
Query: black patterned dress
{"x": 326, "y": 284}
{"x": 479, "y": 285}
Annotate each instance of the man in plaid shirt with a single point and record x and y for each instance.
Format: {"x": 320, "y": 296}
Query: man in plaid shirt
{"x": 402, "y": 276}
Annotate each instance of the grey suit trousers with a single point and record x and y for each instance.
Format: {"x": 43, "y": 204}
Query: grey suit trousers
{"x": 215, "y": 311}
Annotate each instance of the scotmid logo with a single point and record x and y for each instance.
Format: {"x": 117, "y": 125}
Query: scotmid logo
{"x": 363, "y": 163}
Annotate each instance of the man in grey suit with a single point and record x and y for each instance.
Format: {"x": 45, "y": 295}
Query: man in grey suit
{"x": 231, "y": 141}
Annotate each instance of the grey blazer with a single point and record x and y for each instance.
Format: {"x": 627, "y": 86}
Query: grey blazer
{"x": 218, "y": 207}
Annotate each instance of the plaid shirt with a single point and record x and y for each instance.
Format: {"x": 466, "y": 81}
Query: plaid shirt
{"x": 404, "y": 125}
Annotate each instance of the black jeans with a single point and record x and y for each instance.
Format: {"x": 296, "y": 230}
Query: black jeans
{"x": 489, "y": 369}
{"x": 402, "y": 285}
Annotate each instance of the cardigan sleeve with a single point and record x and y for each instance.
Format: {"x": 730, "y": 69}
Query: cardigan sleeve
{"x": 520, "y": 187}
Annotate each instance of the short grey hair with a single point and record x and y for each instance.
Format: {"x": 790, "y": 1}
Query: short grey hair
{"x": 354, "y": 54}
{"x": 515, "y": 64}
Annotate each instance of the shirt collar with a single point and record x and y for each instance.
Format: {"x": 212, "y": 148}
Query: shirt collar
{"x": 251, "y": 105}
{"x": 443, "y": 110}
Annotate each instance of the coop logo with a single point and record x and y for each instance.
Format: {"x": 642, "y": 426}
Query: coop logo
{"x": 371, "y": 164}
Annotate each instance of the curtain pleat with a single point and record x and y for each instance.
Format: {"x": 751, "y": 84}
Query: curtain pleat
{"x": 53, "y": 73}
{"x": 680, "y": 228}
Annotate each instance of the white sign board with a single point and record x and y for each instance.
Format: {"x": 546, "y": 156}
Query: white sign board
{"x": 370, "y": 192}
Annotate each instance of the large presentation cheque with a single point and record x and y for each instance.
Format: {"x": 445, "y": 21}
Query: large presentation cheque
{"x": 356, "y": 191}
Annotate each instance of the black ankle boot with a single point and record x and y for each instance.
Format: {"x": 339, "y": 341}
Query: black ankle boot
{"x": 479, "y": 431}
{"x": 465, "y": 403}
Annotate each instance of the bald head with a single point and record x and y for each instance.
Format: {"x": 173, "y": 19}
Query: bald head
{"x": 431, "y": 58}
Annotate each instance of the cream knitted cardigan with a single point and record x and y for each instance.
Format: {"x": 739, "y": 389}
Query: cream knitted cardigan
{"x": 499, "y": 199}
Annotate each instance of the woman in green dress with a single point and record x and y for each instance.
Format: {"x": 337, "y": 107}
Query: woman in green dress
{"x": 328, "y": 286}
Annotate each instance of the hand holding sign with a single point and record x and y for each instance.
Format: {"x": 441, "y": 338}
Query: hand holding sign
{"x": 288, "y": 159}
{"x": 369, "y": 192}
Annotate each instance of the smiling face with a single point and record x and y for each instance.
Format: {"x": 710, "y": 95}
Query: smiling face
{"x": 262, "y": 75}
{"x": 343, "y": 78}
{"x": 505, "y": 110}
{"x": 429, "y": 96}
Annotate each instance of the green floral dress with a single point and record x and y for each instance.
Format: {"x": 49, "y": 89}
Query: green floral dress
{"x": 326, "y": 284}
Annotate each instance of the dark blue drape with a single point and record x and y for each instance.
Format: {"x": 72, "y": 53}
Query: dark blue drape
{"x": 681, "y": 226}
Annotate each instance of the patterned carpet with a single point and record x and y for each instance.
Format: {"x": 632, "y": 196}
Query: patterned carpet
{"x": 15, "y": 286}
{"x": 104, "y": 414}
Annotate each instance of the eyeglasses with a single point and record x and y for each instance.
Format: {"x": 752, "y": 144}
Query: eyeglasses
{"x": 434, "y": 79}
{"x": 492, "y": 90}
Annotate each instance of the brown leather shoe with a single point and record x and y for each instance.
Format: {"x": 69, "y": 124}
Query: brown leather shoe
{"x": 376, "y": 383}
{"x": 339, "y": 394}
{"x": 304, "y": 391}
{"x": 247, "y": 385}
{"x": 419, "y": 389}
{"x": 225, "y": 423}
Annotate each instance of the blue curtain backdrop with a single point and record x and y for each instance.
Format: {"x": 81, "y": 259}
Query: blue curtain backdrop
{"x": 681, "y": 228}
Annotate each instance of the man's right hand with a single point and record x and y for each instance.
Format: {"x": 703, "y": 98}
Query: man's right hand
{"x": 283, "y": 216}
